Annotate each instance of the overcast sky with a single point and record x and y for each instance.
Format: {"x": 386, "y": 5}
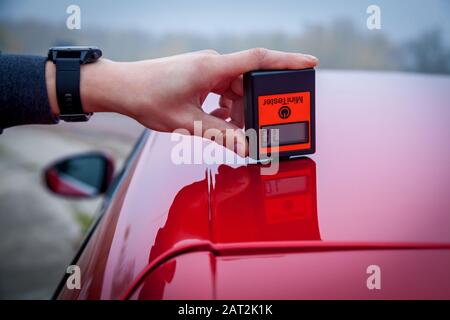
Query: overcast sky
{"x": 401, "y": 19}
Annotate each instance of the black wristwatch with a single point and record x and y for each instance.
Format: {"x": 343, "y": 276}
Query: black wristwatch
{"x": 68, "y": 61}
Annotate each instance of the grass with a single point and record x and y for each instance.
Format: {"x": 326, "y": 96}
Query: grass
{"x": 84, "y": 220}
{"x": 3, "y": 151}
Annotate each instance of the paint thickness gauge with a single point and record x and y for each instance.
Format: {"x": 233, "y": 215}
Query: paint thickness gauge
{"x": 280, "y": 107}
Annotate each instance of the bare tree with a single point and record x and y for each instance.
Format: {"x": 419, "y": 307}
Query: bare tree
{"x": 428, "y": 53}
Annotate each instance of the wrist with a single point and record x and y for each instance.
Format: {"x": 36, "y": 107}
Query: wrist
{"x": 50, "y": 79}
{"x": 93, "y": 92}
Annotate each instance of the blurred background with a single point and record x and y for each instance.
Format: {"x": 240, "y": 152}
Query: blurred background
{"x": 40, "y": 232}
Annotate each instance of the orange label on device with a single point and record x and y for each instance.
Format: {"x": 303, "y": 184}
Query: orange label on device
{"x": 290, "y": 113}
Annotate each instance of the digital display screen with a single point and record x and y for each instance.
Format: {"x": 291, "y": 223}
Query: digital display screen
{"x": 285, "y": 134}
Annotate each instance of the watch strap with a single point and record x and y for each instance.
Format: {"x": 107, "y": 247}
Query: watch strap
{"x": 68, "y": 90}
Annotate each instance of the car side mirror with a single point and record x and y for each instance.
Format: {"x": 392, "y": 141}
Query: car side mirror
{"x": 81, "y": 176}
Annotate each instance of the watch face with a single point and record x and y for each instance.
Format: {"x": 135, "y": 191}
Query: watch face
{"x": 85, "y": 54}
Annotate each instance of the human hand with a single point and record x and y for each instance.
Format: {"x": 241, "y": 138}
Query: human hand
{"x": 167, "y": 94}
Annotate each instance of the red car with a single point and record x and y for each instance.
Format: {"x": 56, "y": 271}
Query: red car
{"x": 367, "y": 216}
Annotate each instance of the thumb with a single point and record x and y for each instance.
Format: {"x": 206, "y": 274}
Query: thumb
{"x": 223, "y": 133}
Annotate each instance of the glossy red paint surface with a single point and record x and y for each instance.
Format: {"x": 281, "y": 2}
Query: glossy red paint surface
{"x": 376, "y": 192}
{"x": 409, "y": 274}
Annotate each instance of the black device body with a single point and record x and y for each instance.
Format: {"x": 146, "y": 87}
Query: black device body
{"x": 280, "y": 87}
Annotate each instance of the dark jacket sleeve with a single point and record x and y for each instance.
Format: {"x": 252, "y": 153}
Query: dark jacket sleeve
{"x": 23, "y": 91}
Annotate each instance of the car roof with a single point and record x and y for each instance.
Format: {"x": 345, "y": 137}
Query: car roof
{"x": 381, "y": 174}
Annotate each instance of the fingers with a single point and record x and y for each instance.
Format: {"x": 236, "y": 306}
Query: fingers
{"x": 237, "y": 86}
{"x": 221, "y": 113}
{"x": 223, "y": 133}
{"x": 237, "y": 113}
{"x": 224, "y": 110}
{"x": 233, "y": 109}
{"x": 237, "y": 63}
{"x": 225, "y": 102}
